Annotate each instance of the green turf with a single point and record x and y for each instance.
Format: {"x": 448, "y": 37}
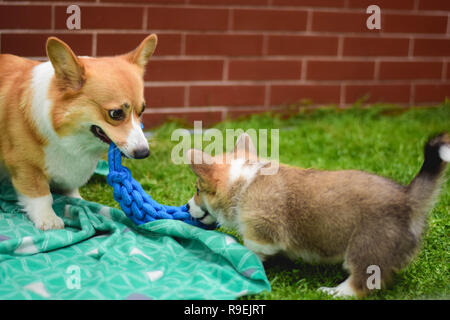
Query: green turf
{"x": 382, "y": 139}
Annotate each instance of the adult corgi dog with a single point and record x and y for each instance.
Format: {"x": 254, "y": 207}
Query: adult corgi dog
{"x": 349, "y": 216}
{"x": 58, "y": 117}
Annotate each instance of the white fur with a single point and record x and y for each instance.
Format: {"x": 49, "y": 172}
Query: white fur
{"x": 40, "y": 212}
{"x": 197, "y": 212}
{"x": 40, "y": 108}
{"x": 262, "y": 250}
{"x": 342, "y": 290}
{"x": 444, "y": 153}
{"x": 194, "y": 209}
{"x": 75, "y": 193}
{"x": 70, "y": 160}
{"x": 235, "y": 170}
{"x": 239, "y": 169}
{"x": 136, "y": 139}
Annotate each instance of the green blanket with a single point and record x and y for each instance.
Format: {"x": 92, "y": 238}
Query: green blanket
{"x": 101, "y": 254}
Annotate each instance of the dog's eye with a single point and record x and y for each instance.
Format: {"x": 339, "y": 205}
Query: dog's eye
{"x": 198, "y": 191}
{"x": 116, "y": 114}
{"x": 143, "y": 108}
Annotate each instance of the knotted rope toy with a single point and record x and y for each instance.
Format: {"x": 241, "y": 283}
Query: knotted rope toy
{"x": 135, "y": 202}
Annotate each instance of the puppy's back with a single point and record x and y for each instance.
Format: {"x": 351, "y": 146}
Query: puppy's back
{"x": 317, "y": 211}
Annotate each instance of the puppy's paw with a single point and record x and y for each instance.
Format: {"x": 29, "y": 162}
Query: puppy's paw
{"x": 344, "y": 290}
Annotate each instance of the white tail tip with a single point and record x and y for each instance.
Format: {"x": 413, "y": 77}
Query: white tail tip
{"x": 444, "y": 153}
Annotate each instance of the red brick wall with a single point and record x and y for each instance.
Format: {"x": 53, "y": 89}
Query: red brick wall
{"x": 224, "y": 58}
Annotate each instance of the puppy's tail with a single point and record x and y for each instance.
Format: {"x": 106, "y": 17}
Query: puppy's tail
{"x": 424, "y": 188}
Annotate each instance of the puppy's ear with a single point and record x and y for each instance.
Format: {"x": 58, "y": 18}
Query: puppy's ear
{"x": 69, "y": 70}
{"x": 244, "y": 146}
{"x": 143, "y": 52}
{"x": 200, "y": 162}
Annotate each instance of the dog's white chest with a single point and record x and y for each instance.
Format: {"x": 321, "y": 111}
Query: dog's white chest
{"x": 70, "y": 162}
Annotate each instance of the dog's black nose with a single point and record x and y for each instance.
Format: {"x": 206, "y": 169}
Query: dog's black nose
{"x": 188, "y": 206}
{"x": 141, "y": 153}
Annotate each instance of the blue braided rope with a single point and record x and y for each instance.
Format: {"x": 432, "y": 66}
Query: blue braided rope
{"x": 135, "y": 202}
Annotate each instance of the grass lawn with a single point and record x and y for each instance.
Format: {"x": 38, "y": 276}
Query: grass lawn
{"x": 384, "y": 140}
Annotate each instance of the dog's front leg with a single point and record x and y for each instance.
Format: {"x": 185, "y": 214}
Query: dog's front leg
{"x": 74, "y": 193}
{"x": 34, "y": 196}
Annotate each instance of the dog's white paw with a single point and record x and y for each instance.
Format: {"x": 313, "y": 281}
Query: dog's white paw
{"x": 344, "y": 290}
{"x": 49, "y": 221}
{"x": 41, "y": 213}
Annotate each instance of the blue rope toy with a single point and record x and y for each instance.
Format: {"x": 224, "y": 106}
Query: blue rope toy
{"x": 135, "y": 202}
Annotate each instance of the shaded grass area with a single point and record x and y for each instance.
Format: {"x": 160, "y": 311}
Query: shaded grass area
{"x": 384, "y": 140}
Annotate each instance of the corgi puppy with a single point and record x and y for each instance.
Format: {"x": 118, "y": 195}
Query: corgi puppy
{"x": 320, "y": 216}
{"x": 57, "y": 118}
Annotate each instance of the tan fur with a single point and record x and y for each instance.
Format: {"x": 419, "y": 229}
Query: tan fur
{"x": 21, "y": 145}
{"x": 100, "y": 93}
{"x": 82, "y": 91}
{"x": 320, "y": 216}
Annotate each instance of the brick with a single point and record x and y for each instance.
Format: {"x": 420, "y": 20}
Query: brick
{"x": 147, "y": 1}
{"x": 383, "y": 4}
{"x": 264, "y": 69}
{"x": 340, "y": 70}
{"x": 153, "y": 119}
{"x": 397, "y": 70}
{"x": 448, "y": 71}
{"x": 431, "y": 92}
{"x": 103, "y": 17}
{"x": 413, "y": 23}
{"x": 223, "y": 44}
{"x": 156, "y": 97}
{"x": 226, "y": 95}
{"x": 310, "y": 3}
{"x": 302, "y": 45}
{"x": 257, "y": 19}
{"x": 33, "y": 45}
{"x": 230, "y": 2}
{"x": 393, "y": 93}
{"x": 118, "y": 43}
{"x": 441, "y": 5}
{"x": 25, "y": 17}
{"x": 325, "y": 21}
{"x": 184, "y": 70}
{"x": 187, "y": 18}
{"x": 432, "y": 47}
{"x": 358, "y": 46}
{"x": 287, "y": 94}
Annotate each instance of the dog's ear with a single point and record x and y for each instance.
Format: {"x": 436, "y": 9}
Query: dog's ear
{"x": 143, "y": 52}
{"x": 200, "y": 162}
{"x": 69, "y": 70}
{"x": 244, "y": 146}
